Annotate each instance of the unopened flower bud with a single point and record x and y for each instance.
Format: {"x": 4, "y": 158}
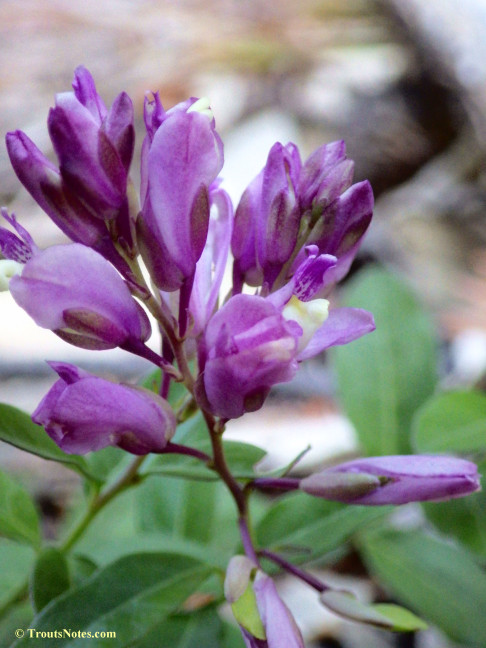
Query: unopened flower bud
{"x": 398, "y": 479}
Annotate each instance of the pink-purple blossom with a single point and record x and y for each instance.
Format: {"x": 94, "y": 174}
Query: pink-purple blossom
{"x": 82, "y": 413}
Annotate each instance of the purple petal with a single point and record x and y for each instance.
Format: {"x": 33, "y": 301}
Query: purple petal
{"x": 119, "y": 128}
{"x": 243, "y": 242}
{"x": 186, "y": 153}
{"x": 85, "y": 92}
{"x": 316, "y": 167}
{"x": 84, "y": 414}
{"x": 43, "y": 181}
{"x": 67, "y": 278}
{"x": 342, "y": 326}
{"x": 89, "y": 163}
{"x": 13, "y": 247}
{"x": 310, "y": 277}
{"x": 279, "y": 624}
{"x": 249, "y": 347}
{"x": 207, "y": 282}
{"x": 343, "y": 225}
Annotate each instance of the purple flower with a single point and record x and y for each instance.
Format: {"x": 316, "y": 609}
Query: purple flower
{"x": 253, "y": 343}
{"x": 44, "y": 183}
{"x": 267, "y": 218}
{"x": 181, "y": 158}
{"x": 264, "y": 619}
{"x": 76, "y": 293}
{"x": 395, "y": 480}
{"x": 82, "y": 413}
{"x": 248, "y": 347}
{"x": 289, "y": 204}
{"x": 94, "y": 147}
{"x": 16, "y": 247}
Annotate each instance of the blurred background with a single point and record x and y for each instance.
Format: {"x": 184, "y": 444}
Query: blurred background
{"x": 404, "y": 83}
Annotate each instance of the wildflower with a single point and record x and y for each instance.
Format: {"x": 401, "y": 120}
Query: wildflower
{"x": 395, "y": 480}
{"x": 82, "y": 413}
{"x": 289, "y": 205}
{"x": 76, "y": 293}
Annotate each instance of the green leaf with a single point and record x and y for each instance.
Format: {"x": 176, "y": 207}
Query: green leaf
{"x": 17, "y": 428}
{"x": 18, "y": 517}
{"x": 202, "y": 629}
{"x": 16, "y": 561}
{"x": 129, "y": 597}
{"x": 382, "y": 615}
{"x": 452, "y": 422}
{"x": 456, "y": 422}
{"x": 50, "y": 577}
{"x": 231, "y": 637}
{"x": 385, "y": 376}
{"x": 199, "y": 512}
{"x": 81, "y": 568}
{"x": 17, "y": 617}
{"x": 177, "y": 391}
{"x": 103, "y": 463}
{"x": 314, "y": 526}
{"x": 437, "y": 579}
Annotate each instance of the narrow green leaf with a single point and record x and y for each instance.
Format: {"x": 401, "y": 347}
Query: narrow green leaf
{"x": 435, "y": 578}
{"x": 314, "y": 526}
{"x": 129, "y": 597}
{"x": 18, "y": 517}
{"x": 50, "y": 577}
{"x": 385, "y": 376}
{"x": 17, "y": 429}
{"x": 452, "y": 422}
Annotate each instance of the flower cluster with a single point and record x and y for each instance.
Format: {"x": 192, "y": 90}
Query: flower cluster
{"x": 292, "y": 237}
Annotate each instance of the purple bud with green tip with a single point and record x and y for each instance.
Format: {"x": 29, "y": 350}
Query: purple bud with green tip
{"x": 397, "y": 479}
{"x": 83, "y": 413}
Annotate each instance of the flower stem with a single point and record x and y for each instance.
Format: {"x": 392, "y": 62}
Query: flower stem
{"x": 295, "y": 571}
